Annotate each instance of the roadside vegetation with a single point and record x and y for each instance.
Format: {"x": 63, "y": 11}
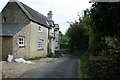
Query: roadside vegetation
{"x": 35, "y": 58}
{"x": 84, "y": 57}
{"x": 95, "y": 37}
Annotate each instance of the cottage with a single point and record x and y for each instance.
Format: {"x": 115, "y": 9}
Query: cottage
{"x": 54, "y": 35}
{"x": 25, "y": 32}
{"x": 57, "y": 37}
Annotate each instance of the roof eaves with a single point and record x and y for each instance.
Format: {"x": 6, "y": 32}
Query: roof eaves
{"x": 7, "y": 35}
{"x": 40, "y": 24}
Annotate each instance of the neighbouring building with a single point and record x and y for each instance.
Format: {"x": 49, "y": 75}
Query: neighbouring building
{"x": 57, "y": 37}
{"x": 54, "y": 35}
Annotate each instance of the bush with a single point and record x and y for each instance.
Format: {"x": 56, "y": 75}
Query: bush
{"x": 50, "y": 55}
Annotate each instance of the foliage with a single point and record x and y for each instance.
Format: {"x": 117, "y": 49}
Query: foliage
{"x": 35, "y": 58}
{"x": 64, "y": 46}
{"x": 77, "y": 33}
{"x": 84, "y": 57}
{"x": 50, "y": 55}
{"x": 64, "y": 41}
{"x": 106, "y": 18}
{"x": 104, "y": 41}
{"x": 104, "y": 23}
{"x": 99, "y": 30}
{"x": 112, "y": 42}
{"x": 103, "y": 69}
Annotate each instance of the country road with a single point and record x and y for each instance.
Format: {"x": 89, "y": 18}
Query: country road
{"x": 64, "y": 67}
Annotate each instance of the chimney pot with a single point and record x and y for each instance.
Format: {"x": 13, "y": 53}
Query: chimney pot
{"x": 50, "y": 15}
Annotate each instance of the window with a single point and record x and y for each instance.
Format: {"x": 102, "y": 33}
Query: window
{"x": 21, "y": 41}
{"x": 4, "y": 20}
{"x": 39, "y": 29}
{"x": 40, "y": 44}
{"x": 52, "y": 31}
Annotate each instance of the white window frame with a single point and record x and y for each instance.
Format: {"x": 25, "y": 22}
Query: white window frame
{"x": 39, "y": 28}
{"x": 40, "y": 44}
{"x": 22, "y": 41}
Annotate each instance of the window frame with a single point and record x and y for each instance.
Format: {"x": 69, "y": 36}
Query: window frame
{"x": 22, "y": 41}
{"x": 40, "y": 44}
{"x": 39, "y": 28}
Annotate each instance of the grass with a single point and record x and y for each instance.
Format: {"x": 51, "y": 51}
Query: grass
{"x": 84, "y": 57}
{"x": 35, "y": 58}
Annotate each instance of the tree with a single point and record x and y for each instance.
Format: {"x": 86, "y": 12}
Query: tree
{"x": 104, "y": 24}
{"x": 77, "y": 33}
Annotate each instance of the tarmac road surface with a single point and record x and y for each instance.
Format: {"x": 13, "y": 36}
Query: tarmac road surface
{"x": 64, "y": 67}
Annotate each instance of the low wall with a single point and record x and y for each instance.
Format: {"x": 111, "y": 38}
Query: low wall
{"x": 104, "y": 67}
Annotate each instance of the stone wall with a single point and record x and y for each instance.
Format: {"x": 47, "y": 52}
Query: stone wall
{"x": 34, "y": 37}
{"x": 31, "y": 34}
{"x": 104, "y": 68}
{"x": 23, "y": 52}
{"x": 14, "y": 14}
{"x": 7, "y": 47}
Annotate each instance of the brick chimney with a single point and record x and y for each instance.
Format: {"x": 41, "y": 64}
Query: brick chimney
{"x": 49, "y": 15}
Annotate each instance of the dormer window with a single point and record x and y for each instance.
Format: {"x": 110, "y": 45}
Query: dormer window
{"x": 39, "y": 28}
{"x": 4, "y": 20}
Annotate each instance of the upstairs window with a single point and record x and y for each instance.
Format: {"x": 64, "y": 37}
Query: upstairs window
{"x": 21, "y": 41}
{"x": 40, "y": 44}
{"x": 4, "y": 20}
{"x": 52, "y": 31}
{"x": 39, "y": 29}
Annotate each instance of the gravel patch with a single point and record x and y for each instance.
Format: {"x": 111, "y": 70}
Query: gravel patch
{"x": 15, "y": 70}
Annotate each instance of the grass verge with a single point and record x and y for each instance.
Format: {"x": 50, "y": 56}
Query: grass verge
{"x": 84, "y": 57}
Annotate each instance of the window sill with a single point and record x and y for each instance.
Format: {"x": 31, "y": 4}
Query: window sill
{"x": 40, "y": 49}
{"x": 21, "y": 46}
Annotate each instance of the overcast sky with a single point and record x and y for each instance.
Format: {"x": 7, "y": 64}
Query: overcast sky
{"x": 64, "y": 11}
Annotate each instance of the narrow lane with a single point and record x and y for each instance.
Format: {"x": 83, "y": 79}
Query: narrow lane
{"x": 65, "y": 67}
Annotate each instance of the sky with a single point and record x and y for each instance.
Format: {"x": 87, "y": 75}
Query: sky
{"x": 64, "y": 11}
